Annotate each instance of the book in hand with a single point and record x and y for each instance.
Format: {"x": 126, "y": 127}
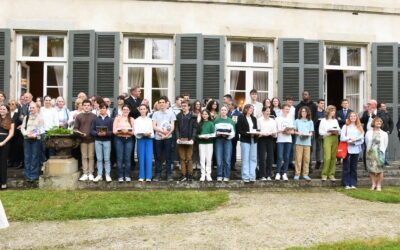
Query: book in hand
{"x": 129, "y": 129}
{"x": 101, "y": 129}
{"x": 206, "y": 136}
{"x": 254, "y": 132}
{"x": 185, "y": 141}
{"x": 333, "y": 130}
{"x": 79, "y": 132}
{"x": 288, "y": 129}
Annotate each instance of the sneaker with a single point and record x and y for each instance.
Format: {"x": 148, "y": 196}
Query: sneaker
{"x": 183, "y": 178}
{"x": 332, "y": 178}
{"x": 284, "y": 177}
{"x": 252, "y": 180}
{"x": 219, "y": 179}
{"x": 203, "y": 178}
{"x": 108, "y": 178}
{"x": 4, "y": 186}
{"x": 120, "y": 179}
{"x": 269, "y": 178}
{"x": 226, "y": 179}
{"x": 84, "y": 177}
{"x": 91, "y": 177}
{"x": 263, "y": 179}
{"x": 296, "y": 178}
{"x": 347, "y": 187}
{"x": 148, "y": 180}
{"x": 307, "y": 178}
{"x": 246, "y": 180}
{"x": 353, "y": 187}
{"x": 277, "y": 177}
{"x": 98, "y": 178}
{"x": 324, "y": 178}
{"x": 141, "y": 180}
{"x": 208, "y": 178}
{"x": 128, "y": 179}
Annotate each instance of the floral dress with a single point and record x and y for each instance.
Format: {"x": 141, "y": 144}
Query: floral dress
{"x": 375, "y": 157}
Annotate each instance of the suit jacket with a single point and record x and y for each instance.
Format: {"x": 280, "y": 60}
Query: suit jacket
{"x": 133, "y": 105}
{"x": 365, "y": 117}
{"x": 341, "y": 117}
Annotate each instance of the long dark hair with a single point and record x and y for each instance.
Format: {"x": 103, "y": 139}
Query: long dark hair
{"x": 202, "y": 121}
{"x": 210, "y": 104}
{"x": 6, "y": 121}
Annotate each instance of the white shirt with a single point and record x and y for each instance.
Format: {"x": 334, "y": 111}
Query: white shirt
{"x": 50, "y": 117}
{"x": 282, "y": 123}
{"x": 326, "y": 125}
{"x": 143, "y": 125}
{"x": 292, "y": 112}
{"x": 370, "y": 120}
{"x": 257, "y": 109}
{"x": 267, "y": 125}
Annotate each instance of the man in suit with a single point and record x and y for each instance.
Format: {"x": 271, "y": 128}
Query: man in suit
{"x": 343, "y": 114}
{"x": 134, "y": 102}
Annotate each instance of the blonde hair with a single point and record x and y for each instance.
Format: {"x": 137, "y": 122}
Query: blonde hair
{"x": 357, "y": 123}
{"x": 329, "y": 109}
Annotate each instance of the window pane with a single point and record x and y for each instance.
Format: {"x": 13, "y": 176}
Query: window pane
{"x": 260, "y": 83}
{"x": 160, "y": 49}
{"x": 353, "y": 56}
{"x": 260, "y": 53}
{"x": 55, "y": 76}
{"x": 238, "y": 52}
{"x": 333, "y": 55}
{"x": 238, "y": 80}
{"x": 159, "y": 77}
{"x": 55, "y": 92}
{"x": 136, "y": 48}
{"x": 239, "y": 97}
{"x": 157, "y": 93}
{"x": 30, "y": 46}
{"x": 135, "y": 77}
{"x": 353, "y": 91}
{"x": 55, "y": 46}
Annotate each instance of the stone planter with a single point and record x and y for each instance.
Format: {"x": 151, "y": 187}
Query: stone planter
{"x": 63, "y": 145}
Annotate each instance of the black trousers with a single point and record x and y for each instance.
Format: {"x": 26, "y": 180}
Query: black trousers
{"x": 266, "y": 146}
{"x": 4, "y": 151}
{"x": 233, "y": 157}
{"x": 16, "y": 155}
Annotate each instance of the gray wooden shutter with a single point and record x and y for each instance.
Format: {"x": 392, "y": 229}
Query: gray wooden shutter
{"x": 188, "y": 65}
{"x": 290, "y": 67}
{"x": 107, "y": 64}
{"x": 81, "y": 63}
{"x": 5, "y": 41}
{"x": 213, "y": 67}
{"x": 313, "y": 69}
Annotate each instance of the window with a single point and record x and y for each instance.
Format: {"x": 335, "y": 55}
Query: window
{"x": 148, "y": 64}
{"x": 41, "y": 48}
{"x": 345, "y": 57}
{"x": 249, "y": 66}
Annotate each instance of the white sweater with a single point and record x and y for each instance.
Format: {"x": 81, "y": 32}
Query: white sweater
{"x": 143, "y": 125}
{"x": 384, "y": 139}
{"x": 327, "y": 125}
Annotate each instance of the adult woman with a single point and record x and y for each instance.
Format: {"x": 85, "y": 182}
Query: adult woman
{"x": 276, "y": 106}
{"x": 268, "y": 132}
{"x": 16, "y": 155}
{"x": 213, "y": 108}
{"x": 78, "y": 109}
{"x": 329, "y": 130}
{"x": 2, "y": 97}
{"x": 247, "y": 124}
{"x": 376, "y": 141}
{"x": 123, "y": 131}
{"x": 352, "y": 133}
{"x": 225, "y": 131}
{"x": 32, "y": 130}
{"x": 49, "y": 114}
{"x": 144, "y": 134}
{"x": 6, "y": 133}
{"x": 120, "y": 103}
{"x": 196, "y": 110}
{"x": 62, "y": 111}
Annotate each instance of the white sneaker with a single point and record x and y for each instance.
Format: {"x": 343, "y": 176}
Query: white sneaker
{"x": 84, "y": 177}
{"x": 120, "y": 179}
{"x": 208, "y": 178}
{"x": 91, "y": 177}
{"x": 108, "y": 178}
{"x": 128, "y": 179}
{"x": 98, "y": 178}
{"x": 277, "y": 177}
{"x": 226, "y": 179}
{"x": 219, "y": 179}
{"x": 263, "y": 179}
{"x": 353, "y": 187}
{"x": 203, "y": 178}
{"x": 269, "y": 178}
{"x": 141, "y": 180}
{"x": 148, "y": 180}
{"x": 347, "y": 187}
{"x": 284, "y": 177}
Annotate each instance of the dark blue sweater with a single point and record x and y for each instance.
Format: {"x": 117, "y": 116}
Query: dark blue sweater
{"x": 99, "y": 122}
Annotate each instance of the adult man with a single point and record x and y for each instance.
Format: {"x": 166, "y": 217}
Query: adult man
{"x": 343, "y": 113}
{"x": 186, "y": 128}
{"x": 134, "y": 101}
{"x": 110, "y": 110}
{"x": 292, "y": 112}
{"x": 320, "y": 114}
{"x": 227, "y": 99}
{"x": 306, "y": 101}
{"x": 83, "y": 124}
{"x": 176, "y": 107}
{"x": 256, "y": 105}
{"x": 387, "y": 124}
{"x": 234, "y": 113}
{"x": 27, "y": 102}
{"x": 163, "y": 125}
{"x": 186, "y": 97}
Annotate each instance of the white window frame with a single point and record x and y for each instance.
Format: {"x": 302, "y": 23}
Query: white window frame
{"x": 250, "y": 55}
{"x": 343, "y": 58}
{"x": 42, "y": 49}
{"x": 360, "y": 87}
{"x": 148, "y": 50}
{"x": 65, "y": 82}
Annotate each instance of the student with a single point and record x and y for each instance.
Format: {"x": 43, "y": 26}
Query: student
{"x": 304, "y": 128}
{"x": 320, "y": 114}
{"x": 186, "y": 125}
{"x": 164, "y": 126}
{"x": 352, "y": 133}
{"x": 276, "y": 106}
{"x": 6, "y": 133}
{"x": 32, "y": 130}
{"x": 268, "y": 132}
{"x": 329, "y": 130}
{"x": 213, "y": 107}
{"x": 123, "y": 131}
{"x": 246, "y": 124}
{"x": 285, "y": 129}
{"x": 206, "y": 132}
{"x": 83, "y": 124}
{"x": 256, "y": 104}
{"x": 144, "y": 134}
{"x": 102, "y": 128}
{"x": 225, "y": 131}
{"x": 234, "y": 113}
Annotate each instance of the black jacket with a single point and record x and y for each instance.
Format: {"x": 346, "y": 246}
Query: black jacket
{"x": 365, "y": 117}
{"x": 311, "y": 105}
{"x": 387, "y": 122}
{"x": 243, "y": 127}
{"x": 133, "y": 105}
{"x": 192, "y": 125}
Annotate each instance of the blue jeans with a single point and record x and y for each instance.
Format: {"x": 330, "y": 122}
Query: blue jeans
{"x": 223, "y": 153}
{"x": 145, "y": 150}
{"x": 249, "y": 160}
{"x": 123, "y": 151}
{"x": 32, "y": 154}
{"x": 283, "y": 153}
{"x": 162, "y": 150}
{"x": 350, "y": 170}
{"x": 103, "y": 151}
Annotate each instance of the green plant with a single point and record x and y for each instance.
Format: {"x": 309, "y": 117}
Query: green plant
{"x": 58, "y": 131}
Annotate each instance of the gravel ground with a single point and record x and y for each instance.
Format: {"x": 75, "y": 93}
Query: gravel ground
{"x": 256, "y": 219}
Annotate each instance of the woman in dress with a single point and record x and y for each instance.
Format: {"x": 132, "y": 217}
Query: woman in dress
{"x": 377, "y": 141}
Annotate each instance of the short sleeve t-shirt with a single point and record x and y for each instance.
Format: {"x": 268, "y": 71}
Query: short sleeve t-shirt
{"x": 282, "y": 123}
{"x": 163, "y": 120}
{"x": 304, "y": 126}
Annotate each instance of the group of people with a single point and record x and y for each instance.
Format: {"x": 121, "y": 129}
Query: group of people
{"x": 269, "y": 133}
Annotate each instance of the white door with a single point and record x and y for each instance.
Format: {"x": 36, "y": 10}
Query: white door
{"x": 54, "y": 80}
{"x": 353, "y": 89}
{"x": 23, "y": 76}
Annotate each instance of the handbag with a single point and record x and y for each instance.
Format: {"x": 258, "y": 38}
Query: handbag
{"x": 342, "y": 149}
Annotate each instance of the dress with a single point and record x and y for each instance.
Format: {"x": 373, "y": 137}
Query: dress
{"x": 375, "y": 157}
